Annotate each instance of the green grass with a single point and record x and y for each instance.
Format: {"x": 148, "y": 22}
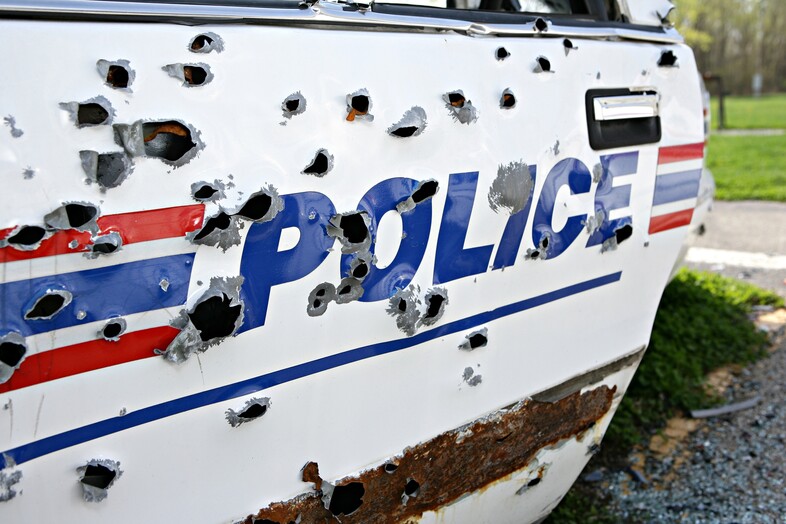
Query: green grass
{"x": 748, "y": 167}
{"x": 702, "y": 324}
{"x": 766, "y": 112}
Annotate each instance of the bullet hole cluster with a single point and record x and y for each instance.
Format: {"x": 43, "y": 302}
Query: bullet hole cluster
{"x": 411, "y": 312}
{"x": 471, "y": 378}
{"x": 223, "y": 228}
{"x": 96, "y": 477}
{"x": 217, "y": 314}
{"x": 460, "y": 108}
{"x": 411, "y": 490}
{"x": 412, "y": 124}
{"x": 541, "y": 251}
{"x": 320, "y": 165}
{"x": 253, "y": 409}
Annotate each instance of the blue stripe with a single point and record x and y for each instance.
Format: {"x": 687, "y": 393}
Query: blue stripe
{"x": 173, "y": 407}
{"x": 676, "y": 186}
{"x": 101, "y": 293}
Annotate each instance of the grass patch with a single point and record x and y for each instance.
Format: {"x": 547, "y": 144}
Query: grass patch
{"x": 702, "y": 324}
{"x": 766, "y": 112}
{"x": 748, "y": 167}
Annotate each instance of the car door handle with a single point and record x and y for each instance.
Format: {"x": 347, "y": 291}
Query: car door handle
{"x": 622, "y": 117}
{"x": 625, "y": 107}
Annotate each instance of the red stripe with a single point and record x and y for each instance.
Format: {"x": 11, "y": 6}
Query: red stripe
{"x": 88, "y": 356}
{"x": 671, "y": 221}
{"x": 671, "y": 154}
{"x": 140, "y": 226}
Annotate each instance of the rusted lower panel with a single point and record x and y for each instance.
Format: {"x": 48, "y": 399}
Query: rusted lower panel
{"x": 441, "y": 470}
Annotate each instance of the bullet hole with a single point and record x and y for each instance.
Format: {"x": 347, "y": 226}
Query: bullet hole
{"x": 351, "y": 229}
{"x": 73, "y": 215}
{"x": 163, "y": 284}
{"x": 108, "y": 170}
{"x": 667, "y": 59}
{"x": 359, "y": 267}
{"x": 404, "y": 307}
{"x": 542, "y": 65}
{"x": 113, "y": 329}
{"x": 348, "y": 290}
{"x": 568, "y": 45}
{"x": 217, "y": 314}
{"x": 191, "y": 75}
{"x": 471, "y": 378}
{"x": 10, "y": 122}
{"x": 508, "y": 100}
{"x": 541, "y": 251}
{"x": 319, "y": 298}
{"x": 27, "y": 238}
{"x": 534, "y": 482}
{"x": 215, "y": 317}
{"x": 220, "y": 230}
{"x": 96, "y": 477}
{"x": 49, "y": 304}
{"x": 294, "y": 104}
{"x": 358, "y": 106}
{"x": 207, "y": 192}
{"x": 501, "y": 53}
{"x": 435, "y": 301}
{"x": 460, "y": 108}
{"x": 541, "y": 25}
{"x": 621, "y": 234}
{"x": 105, "y": 245}
{"x": 169, "y": 140}
{"x": 423, "y": 191}
{"x": 320, "y": 165}
{"x": 256, "y": 207}
{"x": 93, "y": 112}
{"x": 475, "y": 340}
{"x": 117, "y": 74}
{"x": 206, "y": 43}
{"x": 390, "y": 467}
{"x": 12, "y": 352}
{"x": 345, "y": 500}
{"x": 413, "y": 123}
{"x": 253, "y": 409}
{"x": 412, "y": 488}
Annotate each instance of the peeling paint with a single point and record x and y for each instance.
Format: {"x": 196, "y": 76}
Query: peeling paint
{"x": 215, "y": 316}
{"x": 10, "y": 122}
{"x": 413, "y": 123}
{"x": 471, "y": 378}
{"x": 512, "y": 189}
{"x": 108, "y": 170}
{"x": 96, "y": 477}
{"x": 253, "y": 409}
{"x": 13, "y": 350}
{"x": 492, "y": 448}
{"x": 190, "y": 75}
{"x": 404, "y": 306}
{"x": 460, "y": 108}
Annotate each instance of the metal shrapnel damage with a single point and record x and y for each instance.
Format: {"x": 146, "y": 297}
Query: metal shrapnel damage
{"x": 96, "y": 477}
{"x": 433, "y": 474}
{"x": 216, "y": 315}
{"x": 253, "y": 409}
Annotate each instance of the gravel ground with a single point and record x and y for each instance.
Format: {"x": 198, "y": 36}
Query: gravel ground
{"x": 731, "y": 470}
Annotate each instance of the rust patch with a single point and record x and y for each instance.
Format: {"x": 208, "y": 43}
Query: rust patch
{"x": 170, "y": 127}
{"x": 448, "y": 466}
